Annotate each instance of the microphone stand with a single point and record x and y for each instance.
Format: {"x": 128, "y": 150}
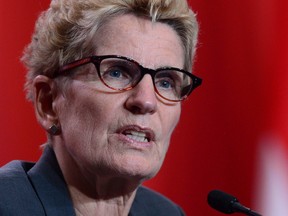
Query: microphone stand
{"x": 242, "y": 209}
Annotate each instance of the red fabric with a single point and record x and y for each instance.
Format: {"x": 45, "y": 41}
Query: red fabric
{"x": 242, "y": 58}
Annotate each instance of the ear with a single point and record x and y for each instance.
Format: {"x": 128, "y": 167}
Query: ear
{"x": 44, "y": 94}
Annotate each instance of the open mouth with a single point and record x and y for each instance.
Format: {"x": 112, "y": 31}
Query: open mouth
{"x": 137, "y": 135}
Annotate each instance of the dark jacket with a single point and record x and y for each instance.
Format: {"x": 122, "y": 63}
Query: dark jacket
{"x": 29, "y": 189}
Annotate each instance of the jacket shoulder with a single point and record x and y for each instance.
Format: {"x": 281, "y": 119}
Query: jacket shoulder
{"x": 16, "y": 191}
{"x": 14, "y": 174}
{"x": 16, "y": 167}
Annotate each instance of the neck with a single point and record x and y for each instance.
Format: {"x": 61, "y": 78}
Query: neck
{"x": 86, "y": 205}
{"x": 94, "y": 194}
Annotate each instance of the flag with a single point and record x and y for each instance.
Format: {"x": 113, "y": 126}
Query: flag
{"x": 272, "y": 181}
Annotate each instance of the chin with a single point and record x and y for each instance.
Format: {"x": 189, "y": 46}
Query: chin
{"x": 142, "y": 169}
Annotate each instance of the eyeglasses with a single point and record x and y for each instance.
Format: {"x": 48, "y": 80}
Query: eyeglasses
{"x": 121, "y": 74}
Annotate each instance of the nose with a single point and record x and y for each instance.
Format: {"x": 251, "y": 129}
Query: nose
{"x": 142, "y": 98}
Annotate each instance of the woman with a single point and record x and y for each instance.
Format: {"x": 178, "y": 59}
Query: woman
{"x": 106, "y": 78}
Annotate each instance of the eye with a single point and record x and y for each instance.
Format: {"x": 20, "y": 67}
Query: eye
{"x": 168, "y": 79}
{"x": 119, "y": 73}
{"x": 165, "y": 83}
{"x": 115, "y": 73}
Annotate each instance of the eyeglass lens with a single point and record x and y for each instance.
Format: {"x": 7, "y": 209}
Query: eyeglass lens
{"x": 122, "y": 74}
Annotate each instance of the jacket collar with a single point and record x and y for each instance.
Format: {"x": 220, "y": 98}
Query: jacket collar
{"x": 49, "y": 184}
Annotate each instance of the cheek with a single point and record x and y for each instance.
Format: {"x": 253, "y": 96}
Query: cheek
{"x": 80, "y": 118}
{"x": 171, "y": 119}
{"x": 81, "y": 113}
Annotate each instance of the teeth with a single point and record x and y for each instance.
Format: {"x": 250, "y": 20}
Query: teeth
{"x": 137, "y": 136}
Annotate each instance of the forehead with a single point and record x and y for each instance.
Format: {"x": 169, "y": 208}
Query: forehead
{"x": 151, "y": 44}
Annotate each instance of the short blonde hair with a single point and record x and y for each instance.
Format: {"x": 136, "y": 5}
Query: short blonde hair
{"x": 64, "y": 32}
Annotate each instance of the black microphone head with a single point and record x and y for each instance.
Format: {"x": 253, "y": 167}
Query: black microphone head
{"x": 221, "y": 201}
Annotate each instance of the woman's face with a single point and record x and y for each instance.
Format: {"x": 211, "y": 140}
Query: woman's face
{"x": 123, "y": 134}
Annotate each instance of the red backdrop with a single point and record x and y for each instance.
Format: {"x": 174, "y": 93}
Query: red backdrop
{"x": 241, "y": 57}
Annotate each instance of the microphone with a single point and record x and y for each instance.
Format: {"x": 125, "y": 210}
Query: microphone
{"x": 227, "y": 203}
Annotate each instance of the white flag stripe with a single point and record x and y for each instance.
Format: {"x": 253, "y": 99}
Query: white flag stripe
{"x": 272, "y": 183}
